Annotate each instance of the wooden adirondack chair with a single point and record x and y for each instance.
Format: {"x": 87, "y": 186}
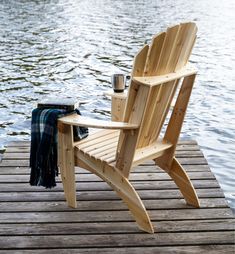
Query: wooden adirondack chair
{"x": 111, "y": 153}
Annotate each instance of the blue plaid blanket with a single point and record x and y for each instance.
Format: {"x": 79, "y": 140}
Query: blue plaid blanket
{"x": 43, "y": 150}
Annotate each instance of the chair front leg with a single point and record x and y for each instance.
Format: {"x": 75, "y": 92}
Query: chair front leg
{"x": 66, "y": 163}
{"x": 121, "y": 185}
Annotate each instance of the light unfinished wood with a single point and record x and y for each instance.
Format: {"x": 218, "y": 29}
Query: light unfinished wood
{"x": 118, "y": 103}
{"x": 157, "y": 124}
{"x": 77, "y": 120}
{"x": 121, "y": 185}
{"x": 66, "y": 162}
{"x": 150, "y": 152}
{"x": 176, "y": 121}
{"x": 158, "y": 80}
{"x": 117, "y": 108}
{"x": 101, "y": 136}
{"x": 128, "y": 140}
{"x": 167, "y": 49}
{"x": 111, "y": 93}
{"x": 180, "y": 177}
{"x": 158, "y": 70}
{"x": 139, "y": 62}
{"x": 154, "y": 50}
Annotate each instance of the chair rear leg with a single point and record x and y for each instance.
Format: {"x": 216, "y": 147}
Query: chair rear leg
{"x": 122, "y": 186}
{"x": 181, "y": 179}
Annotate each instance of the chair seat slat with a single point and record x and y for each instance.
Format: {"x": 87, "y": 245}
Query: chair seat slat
{"x": 105, "y": 150}
{"x": 150, "y": 152}
{"x": 101, "y": 138}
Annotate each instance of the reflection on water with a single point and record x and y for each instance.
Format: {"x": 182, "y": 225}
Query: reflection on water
{"x": 70, "y": 48}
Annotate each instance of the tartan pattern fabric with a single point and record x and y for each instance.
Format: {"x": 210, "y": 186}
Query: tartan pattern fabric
{"x": 43, "y": 149}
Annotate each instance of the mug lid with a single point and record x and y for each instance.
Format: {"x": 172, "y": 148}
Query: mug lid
{"x": 118, "y": 74}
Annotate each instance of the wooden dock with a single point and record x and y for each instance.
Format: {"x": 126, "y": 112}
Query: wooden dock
{"x": 36, "y": 220}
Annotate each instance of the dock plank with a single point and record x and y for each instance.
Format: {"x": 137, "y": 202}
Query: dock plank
{"x": 96, "y": 186}
{"x": 117, "y": 240}
{"x": 37, "y": 220}
{"x": 114, "y": 228}
{"x": 193, "y": 249}
{"x": 105, "y": 205}
{"x": 142, "y": 176}
{"x": 183, "y": 161}
{"x": 16, "y": 170}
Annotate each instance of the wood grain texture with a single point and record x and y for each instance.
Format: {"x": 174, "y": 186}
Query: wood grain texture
{"x": 36, "y": 220}
{"x": 101, "y": 221}
{"x": 210, "y": 249}
{"x": 76, "y": 120}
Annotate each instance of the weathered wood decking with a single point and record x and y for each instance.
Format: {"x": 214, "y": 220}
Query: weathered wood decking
{"x": 35, "y": 220}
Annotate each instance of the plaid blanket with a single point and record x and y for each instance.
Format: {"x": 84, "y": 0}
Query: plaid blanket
{"x": 43, "y": 150}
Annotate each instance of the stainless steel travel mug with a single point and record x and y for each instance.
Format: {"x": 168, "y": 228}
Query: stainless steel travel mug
{"x": 118, "y": 82}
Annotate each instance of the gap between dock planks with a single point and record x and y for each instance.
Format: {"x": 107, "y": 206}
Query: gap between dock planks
{"x": 36, "y": 220}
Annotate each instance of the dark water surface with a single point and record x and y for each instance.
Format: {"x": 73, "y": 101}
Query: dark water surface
{"x": 70, "y": 48}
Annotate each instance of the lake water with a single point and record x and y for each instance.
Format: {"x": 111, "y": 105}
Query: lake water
{"x": 70, "y": 48}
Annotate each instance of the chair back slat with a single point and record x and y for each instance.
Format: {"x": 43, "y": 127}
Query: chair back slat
{"x": 184, "y": 42}
{"x": 169, "y": 45}
{"x": 139, "y": 62}
{"x": 161, "y": 98}
{"x": 169, "y": 51}
{"x": 154, "y": 50}
{"x": 168, "y": 92}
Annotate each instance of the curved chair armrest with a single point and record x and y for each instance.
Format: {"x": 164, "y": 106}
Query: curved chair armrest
{"x": 77, "y": 120}
{"x": 187, "y": 70}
